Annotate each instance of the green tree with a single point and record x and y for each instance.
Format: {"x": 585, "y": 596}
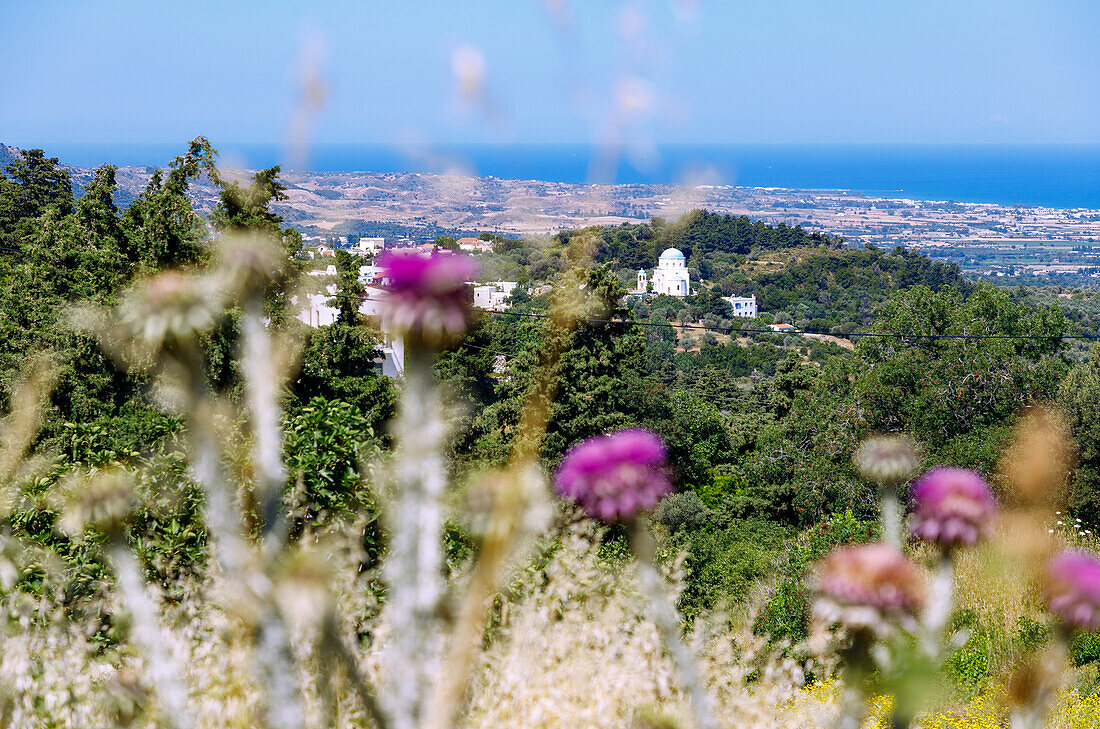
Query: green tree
{"x": 162, "y": 227}
{"x": 1079, "y": 398}
{"x": 65, "y": 258}
{"x": 349, "y": 292}
{"x": 327, "y": 444}
{"x": 248, "y": 209}
{"x": 29, "y": 187}
{"x": 587, "y": 377}
{"x": 339, "y": 364}
{"x": 941, "y": 388}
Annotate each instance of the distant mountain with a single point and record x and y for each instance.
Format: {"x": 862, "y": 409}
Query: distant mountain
{"x": 8, "y": 155}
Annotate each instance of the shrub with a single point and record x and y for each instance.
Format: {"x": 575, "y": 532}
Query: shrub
{"x": 786, "y": 613}
{"x": 326, "y": 444}
{"x": 1084, "y": 648}
{"x": 682, "y": 511}
{"x": 724, "y": 562}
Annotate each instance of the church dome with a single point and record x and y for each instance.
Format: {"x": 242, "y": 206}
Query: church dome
{"x": 672, "y": 254}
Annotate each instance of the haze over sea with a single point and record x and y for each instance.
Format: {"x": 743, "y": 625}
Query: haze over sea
{"x": 1061, "y": 176}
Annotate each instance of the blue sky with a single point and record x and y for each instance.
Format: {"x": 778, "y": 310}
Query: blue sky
{"x": 934, "y": 71}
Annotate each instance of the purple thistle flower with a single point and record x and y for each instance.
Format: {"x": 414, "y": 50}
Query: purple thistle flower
{"x": 868, "y": 587}
{"x": 1072, "y": 589}
{"x": 427, "y": 295}
{"x": 615, "y": 476}
{"x": 952, "y": 507}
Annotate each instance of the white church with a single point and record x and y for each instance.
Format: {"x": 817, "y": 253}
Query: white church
{"x": 670, "y": 277}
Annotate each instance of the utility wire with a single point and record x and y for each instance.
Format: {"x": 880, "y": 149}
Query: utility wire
{"x": 736, "y": 330}
{"x": 732, "y": 330}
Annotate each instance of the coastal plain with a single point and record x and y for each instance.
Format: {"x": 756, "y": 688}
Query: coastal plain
{"x": 983, "y": 238}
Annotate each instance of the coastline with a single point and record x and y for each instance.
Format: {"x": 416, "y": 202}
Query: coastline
{"x": 1063, "y": 176}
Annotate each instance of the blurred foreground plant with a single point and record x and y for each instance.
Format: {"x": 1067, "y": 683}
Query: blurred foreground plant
{"x": 951, "y": 510}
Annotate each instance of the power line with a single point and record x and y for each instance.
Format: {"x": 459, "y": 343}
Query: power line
{"x": 732, "y": 330}
{"x": 485, "y": 349}
{"x": 736, "y": 330}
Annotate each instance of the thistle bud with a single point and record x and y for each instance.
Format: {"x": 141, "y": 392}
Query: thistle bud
{"x": 887, "y": 459}
{"x": 952, "y": 507}
{"x": 428, "y": 298}
{"x": 613, "y": 477}
{"x": 870, "y": 588}
{"x": 1072, "y": 589}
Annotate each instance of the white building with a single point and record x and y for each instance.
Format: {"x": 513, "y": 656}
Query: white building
{"x": 671, "y": 275}
{"x": 494, "y": 296}
{"x": 370, "y": 275}
{"x": 370, "y": 245}
{"x": 393, "y": 355}
{"x": 741, "y": 306}
{"x": 316, "y": 312}
{"x": 474, "y": 245}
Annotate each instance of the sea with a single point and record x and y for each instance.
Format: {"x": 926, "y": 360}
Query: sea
{"x": 1057, "y": 176}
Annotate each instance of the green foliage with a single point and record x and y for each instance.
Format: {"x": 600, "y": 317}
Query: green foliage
{"x": 940, "y": 389}
{"x": 248, "y": 208}
{"x": 594, "y": 386}
{"x": 338, "y": 364}
{"x": 989, "y": 650}
{"x": 725, "y": 560}
{"x": 737, "y": 360}
{"x": 162, "y": 228}
{"x": 1079, "y": 399}
{"x": 970, "y": 664}
{"x": 682, "y": 511}
{"x": 348, "y": 289}
{"x": 786, "y": 613}
{"x": 831, "y": 290}
{"x": 116, "y": 437}
{"x": 29, "y": 187}
{"x": 1084, "y": 648}
{"x": 327, "y": 445}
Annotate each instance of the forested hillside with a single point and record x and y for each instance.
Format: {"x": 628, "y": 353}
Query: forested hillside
{"x": 760, "y": 427}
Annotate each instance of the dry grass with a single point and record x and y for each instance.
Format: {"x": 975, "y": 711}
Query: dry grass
{"x": 576, "y": 649}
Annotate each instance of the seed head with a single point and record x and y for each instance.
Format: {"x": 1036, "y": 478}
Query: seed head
{"x": 887, "y": 459}
{"x": 105, "y": 502}
{"x": 169, "y": 312}
{"x": 613, "y": 477}
{"x": 250, "y": 263}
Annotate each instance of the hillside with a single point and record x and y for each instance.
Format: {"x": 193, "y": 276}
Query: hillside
{"x": 756, "y": 429}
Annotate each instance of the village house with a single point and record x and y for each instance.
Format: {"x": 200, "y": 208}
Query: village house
{"x": 369, "y": 246}
{"x": 494, "y": 296}
{"x": 328, "y": 271}
{"x": 741, "y": 306}
{"x": 370, "y": 275}
{"x": 474, "y": 245}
